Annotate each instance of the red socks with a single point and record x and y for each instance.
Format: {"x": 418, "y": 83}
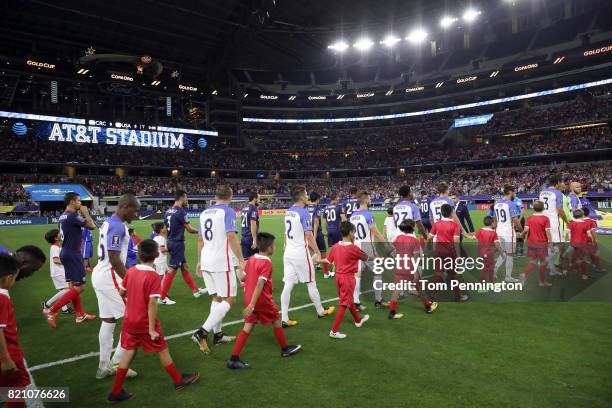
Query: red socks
{"x": 338, "y": 319}
{"x": 189, "y": 281}
{"x": 172, "y": 372}
{"x": 279, "y": 333}
{"x": 530, "y": 267}
{"x": 393, "y": 305}
{"x": 242, "y": 338}
{"x": 325, "y": 266}
{"x": 166, "y": 284}
{"x": 543, "y": 273}
{"x": 118, "y": 383}
{"x": 354, "y": 313}
{"x": 71, "y": 295}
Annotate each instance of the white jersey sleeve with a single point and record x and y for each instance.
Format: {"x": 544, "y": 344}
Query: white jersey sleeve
{"x": 56, "y": 270}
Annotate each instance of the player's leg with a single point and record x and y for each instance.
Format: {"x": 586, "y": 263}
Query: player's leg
{"x": 393, "y": 306}
{"x": 234, "y": 362}
{"x": 306, "y": 275}
{"x": 118, "y": 394}
{"x": 290, "y": 279}
{"x": 180, "y": 380}
{"x": 189, "y": 281}
{"x": 173, "y": 265}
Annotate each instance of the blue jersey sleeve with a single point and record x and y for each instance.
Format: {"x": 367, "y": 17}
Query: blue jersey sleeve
{"x": 559, "y": 198}
{"x": 514, "y": 211}
{"x": 369, "y": 218}
{"x": 115, "y": 237}
{"x": 416, "y": 212}
{"x": 305, "y": 219}
{"x": 183, "y": 216}
{"x": 230, "y": 220}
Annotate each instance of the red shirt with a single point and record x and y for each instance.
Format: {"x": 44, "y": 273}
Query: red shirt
{"x": 579, "y": 231}
{"x": 592, "y": 225}
{"x": 446, "y": 230}
{"x": 141, "y": 283}
{"x": 409, "y": 245}
{"x": 258, "y": 267}
{"x": 537, "y": 224}
{"x": 8, "y": 323}
{"x": 345, "y": 257}
{"x": 486, "y": 240}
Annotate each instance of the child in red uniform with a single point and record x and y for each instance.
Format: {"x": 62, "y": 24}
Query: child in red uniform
{"x": 345, "y": 256}
{"x": 581, "y": 233}
{"x": 537, "y": 229}
{"x": 488, "y": 241}
{"x": 260, "y": 306}
{"x": 141, "y": 328}
{"x": 592, "y": 248}
{"x": 14, "y": 372}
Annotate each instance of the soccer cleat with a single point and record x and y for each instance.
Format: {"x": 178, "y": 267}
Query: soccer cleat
{"x": 166, "y": 301}
{"x": 431, "y": 308}
{"x": 44, "y": 305}
{"x": 545, "y": 284}
{"x": 50, "y": 317}
{"x": 394, "y": 315}
{"x": 555, "y": 272}
{"x": 67, "y": 310}
{"x": 122, "y": 396}
{"x": 84, "y": 317}
{"x": 464, "y": 297}
{"x": 221, "y": 339}
{"x": 130, "y": 373}
{"x": 523, "y": 278}
{"x": 291, "y": 350}
{"x": 327, "y": 312}
{"x": 289, "y": 323}
{"x": 337, "y": 335}
{"x": 327, "y": 276}
{"x": 381, "y": 303}
{"x": 332, "y": 274}
{"x": 187, "y": 379}
{"x": 200, "y": 337}
{"x": 103, "y": 373}
{"x": 360, "y": 307}
{"x": 364, "y": 319}
{"x": 585, "y": 277}
{"x": 237, "y": 364}
{"x": 510, "y": 279}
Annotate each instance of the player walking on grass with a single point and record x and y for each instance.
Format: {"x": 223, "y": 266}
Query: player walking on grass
{"x": 352, "y": 204}
{"x": 488, "y": 242}
{"x": 58, "y": 276}
{"x": 406, "y": 209}
{"x": 220, "y": 255}
{"x": 539, "y": 238}
{"x": 259, "y": 305}
{"x": 298, "y": 265}
{"x": 250, "y": 226}
{"x": 332, "y": 217}
{"x": 507, "y": 221}
{"x": 553, "y": 209}
{"x": 316, "y": 214}
{"x": 592, "y": 248}
{"x": 70, "y": 224}
{"x": 177, "y": 222}
{"x": 581, "y": 237}
{"x": 141, "y": 328}
{"x": 106, "y": 280}
{"x": 345, "y": 255}
{"x": 435, "y": 207}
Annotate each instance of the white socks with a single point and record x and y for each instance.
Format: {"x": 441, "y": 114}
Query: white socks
{"x": 377, "y": 292}
{"x": 498, "y": 263}
{"x": 105, "y": 337}
{"x": 357, "y": 290}
{"x": 315, "y": 297}
{"x": 509, "y": 265}
{"x": 217, "y": 328}
{"x": 285, "y": 300}
{"x": 118, "y": 353}
{"x": 216, "y": 315}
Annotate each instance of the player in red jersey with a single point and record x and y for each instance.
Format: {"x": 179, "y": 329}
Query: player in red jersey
{"x": 581, "y": 237}
{"x": 141, "y": 328}
{"x": 259, "y": 305}
{"x": 488, "y": 242}
{"x": 407, "y": 246}
{"x": 14, "y": 372}
{"x": 446, "y": 234}
{"x": 538, "y": 231}
{"x": 345, "y": 256}
{"x": 593, "y": 248}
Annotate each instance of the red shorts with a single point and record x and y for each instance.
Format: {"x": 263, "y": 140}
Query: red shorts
{"x": 537, "y": 250}
{"x": 133, "y": 341}
{"x": 266, "y": 314}
{"x": 20, "y": 378}
{"x": 345, "y": 282}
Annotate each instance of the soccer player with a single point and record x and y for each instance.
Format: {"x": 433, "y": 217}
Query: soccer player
{"x": 352, "y": 204}
{"x": 592, "y": 248}
{"x": 87, "y": 248}
{"x": 389, "y": 226}
{"x": 406, "y": 209}
{"x": 346, "y": 256}
{"x": 581, "y": 235}
{"x": 423, "y": 203}
{"x": 220, "y": 255}
{"x": 177, "y": 222}
{"x": 574, "y": 196}
{"x": 259, "y": 305}
{"x": 366, "y": 233}
{"x": 297, "y": 262}
{"x": 488, "y": 241}
{"x": 539, "y": 237}
{"x": 316, "y": 212}
{"x": 519, "y": 238}
{"x": 161, "y": 262}
{"x": 106, "y": 280}
{"x": 250, "y": 226}
{"x": 58, "y": 275}
{"x": 507, "y": 221}
{"x": 435, "y": 207}
{"x": 141, "y": 328}
{"x": 553, "y": 209}
{"x": 70, "y": 224}
{"x": 332, "y": 216}
{"x": 132, "y": 254}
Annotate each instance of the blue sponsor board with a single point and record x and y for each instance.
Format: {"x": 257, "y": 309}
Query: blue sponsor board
{"x": 472, "y": 120}
{"x": 12, "y": 222}
{"x": 55, "y": 192}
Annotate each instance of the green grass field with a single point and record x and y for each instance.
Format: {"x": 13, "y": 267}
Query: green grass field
{"x": 503, "y": 354}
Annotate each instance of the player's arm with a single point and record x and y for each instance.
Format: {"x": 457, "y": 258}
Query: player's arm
{"x": 549, "y": 236}
{"x": 312, "y": 244}
{"x": 468, "y": 219}
{"x": 8, "y": 365}
{"x": 152, "y": 314}
{"x": 254, "y": 233}
{"x": 517, "y": 224}
{"x": 256, "y": 293}
{"x": 56, "y": 260}
{"x": 591, "y": 234}
{"x": 200, "y": 247}
{"x": 234, "y": 244}
{"x": 315, "y": 227}
{"x": 89, "y": 222}
{"x": 190, "y": 229}
{"x": 562, "y": 214}
{"x": 456, "y": 219}
{"x": 114, "y": 257}
{"x": 421, "y": 228}
{"x": 525, "y": 232}
{"x": 457, "y": 244}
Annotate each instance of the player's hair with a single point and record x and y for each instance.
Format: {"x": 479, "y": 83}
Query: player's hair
{"x": 407, "y": 226}
{"x": 130, "y": 230}
{"x": 446, "y": 210}
{"x": 508, "y": 188}
{"x": 296, "y": 193}
{"x": 404, "y": 191}
{"x": 147, "y": 250}
{"x": 346, "y": 227}
{"x": 264, "y": 241}
{"x": 9, "y": 265}
{"x": 314, "y": 196}
{"x": 34, "y": 251}
{"x": 586, "y": 211}
{"x": 253, "y": 195}
{"x": 158, "y": 227}
{"x": 353, "y": 191}
{"x": 333, "y": 196}
{"x": 578, "y": 213}
{"x": 423, "y": 192}
{"x": 488, "y": 221}
{"x": 223, "y": 192}
{"x": 363, "y": 197}
{"x": 179, "y": 194}
{"x": 538, "y": 206}
{"x": 554, "y": 179}
{"x": 442, "y": 188}
{"x": 390, "y": 210}
{"x": 128, "y": 200}
{"x": 51, "y": 235}
{"x": 70, "y": 197}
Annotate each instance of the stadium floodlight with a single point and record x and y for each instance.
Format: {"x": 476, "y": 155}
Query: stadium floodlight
{"x": 417, "y": 36}
{"x": 338, "y": 46}
{"x": 447, "y": 21}
{"x": 363, "y": 44}
{"x": 470, "y": 15}
{"x": 390, "y": 41}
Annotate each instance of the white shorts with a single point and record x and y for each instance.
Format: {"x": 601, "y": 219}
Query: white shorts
{"x": 110, "y": 304}
{"x": 59, "y": 281}
{"x": 298, "y": 270}
{"x": 222, "y": 284}
{"x": 369, "y": 249}
{"x": 507, "y": 240}
{"x": 161, "y": 268}
{"x": 556, "y": 229}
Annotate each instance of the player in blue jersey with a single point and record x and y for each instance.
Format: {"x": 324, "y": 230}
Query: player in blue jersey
{"x": 250, "y": 226}
{"x": 435, "y": 207}
{"x": 332, "y": 217}
{"x": 177, "y": 222}
{"x": 352, "y": 204}
{"x": 507, "y": 224}
{"x": 132, "y": 253}
{"x": 574, "y": 196}
{"x": 423, "y": 203}
{"x": 87, "y": 248}
{"x": 75, "y": 217}
{"x": 316, "y": 213}
{"x": 520, "y": 241}
{"x": 406, "y": 209}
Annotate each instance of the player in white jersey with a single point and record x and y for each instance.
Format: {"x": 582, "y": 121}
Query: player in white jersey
{"x": 552, "y": 198}
{"x": 390, "y": 228}
{"x": 298, "y": 265}
{"x": 220, "y": 260}
{"x": 58, "y": 275}
{"x": 435, "y": 207}
{"x": 507, "y": 222}
{"x": 161, "y": 262}
{"x": 106, "y": 280}
{"x": 406, "y": 209}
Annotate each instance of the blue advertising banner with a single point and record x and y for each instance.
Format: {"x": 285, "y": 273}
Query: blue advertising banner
{"x": 11, "y": 222}
{"x": 472, "y": 120}
{"x": 55, "y": 192}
